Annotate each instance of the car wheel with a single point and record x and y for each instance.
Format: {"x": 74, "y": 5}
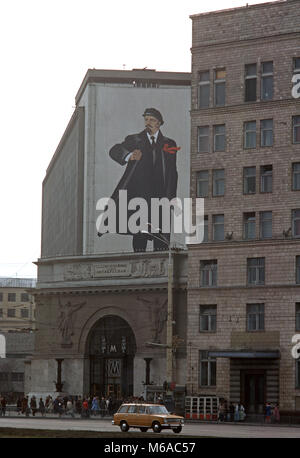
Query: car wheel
{"x": 144, "y": 430}
{"x": 177, "y": 429}
{"x": 124, "y": 426}
{"x": 156, "y": 427}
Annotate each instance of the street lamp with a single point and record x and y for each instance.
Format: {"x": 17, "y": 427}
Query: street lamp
{"x": 169, "y": 346}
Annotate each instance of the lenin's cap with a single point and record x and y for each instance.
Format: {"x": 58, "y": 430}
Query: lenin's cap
{"x": 155, "y": 113}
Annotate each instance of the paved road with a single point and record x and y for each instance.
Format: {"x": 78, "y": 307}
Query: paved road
{"x": 195, "y": 430}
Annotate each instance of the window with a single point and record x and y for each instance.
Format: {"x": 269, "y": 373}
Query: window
{"x": 249, "y": 225}
{"x": 298, "y": 270}
{"x": 249, "y": 180}
{"x": 266, "y": 132}
{"x": 267, "y": 80}
{"x": 24, "y": 313}
{"x": 296, "y": 129}
{"x": 250, "y": 82}
{"x": 255, "y": 317}
{"x": 208, "y": 369}
{"x": 203, "y": 90}
{"x": 265, "y": 225}
{"x": 208, "y": 273}
{"x": 202, "y": 183}
{"x": 208, "y": 318}
{"x": 219, "y": 137}
{"x": 218, "y": 227}
{"x": 297, "y": 315}
{"x": 296, "y": 64}
{"x": 24, "y": 297}
{"x": 266, "y": 173}
{"x": 1, "y": 313}
{"x": 296, "y": 223}
{"x": 11, "y": 313}
{"x": 256, "y": 271}
{"x": 205, "y": 238}
{"x": 250, "y": 134}
{"x": 296, "y": 176}
{"x": 1, "y": 297}
{"x": 203, "y": 139}
{"x": 219, "y": 87}
{"x": 133, "y": 409}
{"x": 11, "y": 297}
{"x": 17, "y": 376}
{"x": 4, "y": 376}
{"x": 218, "y": 183}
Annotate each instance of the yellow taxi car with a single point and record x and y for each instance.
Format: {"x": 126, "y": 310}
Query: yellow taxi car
{"x": 145, "y": 416}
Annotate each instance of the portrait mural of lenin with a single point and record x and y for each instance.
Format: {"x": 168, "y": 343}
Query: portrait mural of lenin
{"x": 150, "y": 172}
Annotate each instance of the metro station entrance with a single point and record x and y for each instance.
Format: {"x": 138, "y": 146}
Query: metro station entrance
{"x": 111, "y": 351}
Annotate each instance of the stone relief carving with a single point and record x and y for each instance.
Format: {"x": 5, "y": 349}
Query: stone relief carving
{"x": 158, "y": 316}
{"x": 65, "y": 321}
{"x": 78, "y": 271}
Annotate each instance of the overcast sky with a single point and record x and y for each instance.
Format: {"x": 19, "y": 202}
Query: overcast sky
{"x": 46, "y": 49}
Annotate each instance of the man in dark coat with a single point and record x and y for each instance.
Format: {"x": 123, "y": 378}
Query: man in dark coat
{"x": 151, "y": 172}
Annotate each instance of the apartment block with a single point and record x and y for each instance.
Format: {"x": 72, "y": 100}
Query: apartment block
{"x": 244, "y": 279}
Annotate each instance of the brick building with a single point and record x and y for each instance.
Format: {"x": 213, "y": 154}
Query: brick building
{"x": 243, "y": 291}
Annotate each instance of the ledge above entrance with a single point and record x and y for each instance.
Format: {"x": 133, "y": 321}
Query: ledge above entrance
{"x": 274, "y": 354}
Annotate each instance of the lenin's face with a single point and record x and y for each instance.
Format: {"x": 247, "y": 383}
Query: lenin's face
{"x": 152, "y": 124}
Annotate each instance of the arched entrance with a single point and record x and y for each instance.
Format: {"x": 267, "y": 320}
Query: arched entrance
{"x": 111, "y": 351}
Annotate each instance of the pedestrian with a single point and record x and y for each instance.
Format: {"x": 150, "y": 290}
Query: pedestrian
{"x": 42, "y": 407}
{"x": 50, "y": 405}
{"x": 221, "y": 411}
{"x": 2, "y": 406}
{"x": 242, "y": 413}
{"x": 78, "y": 405}
{"x": 236, "y": 412}
{"x": 95, "y": 406}
{"x": 24, "y": 405}
{"x": 231, "y": 412}
{"x": 268, "y": 412}
{"x": 19, "y": 405}
{"x": 69, "y": 408}
{"x": 276, "y": 414}
{"x": 33, "y": 405}
{"x": 102, "y": 406}
{"x": 85, "y": 409}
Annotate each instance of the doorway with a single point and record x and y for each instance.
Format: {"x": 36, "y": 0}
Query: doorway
{"x": 111, "y": 352}
{"x": 253, "y": 393}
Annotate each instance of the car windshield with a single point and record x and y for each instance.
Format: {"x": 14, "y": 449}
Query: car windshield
{"x": 158, "y": 410}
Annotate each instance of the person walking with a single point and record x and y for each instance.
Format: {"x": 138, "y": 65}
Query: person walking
{"x": 78, "y": 405}
{"x": 276, "y": 414}
{"x": 42, "y": 407}
{"x": 236, "y": 412}
{"x": 70, "y": 408}
{"x": 95, "y": 406}
{"x": 231, "y": 412}
{"x": 3, "y": 406}
{"x": 19, "y": 405}
{"x": 33, "y": 405}
{"x": 221, "y": 412}
{"x": 242, "y": 413}
{"x": 102, "y": 407}
{"x": 85, "y": 409}
{"x": 268, "y": 412}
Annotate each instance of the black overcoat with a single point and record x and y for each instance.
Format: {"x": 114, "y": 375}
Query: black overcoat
{"x": 138, "y": 178}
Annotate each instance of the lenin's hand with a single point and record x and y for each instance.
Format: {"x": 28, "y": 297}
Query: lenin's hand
{"x": 136, "y": 155}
